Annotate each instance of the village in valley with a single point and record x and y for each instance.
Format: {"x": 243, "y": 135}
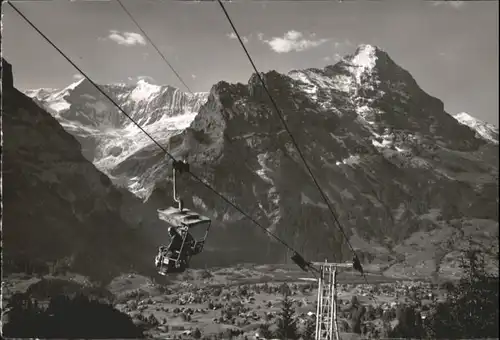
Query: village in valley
{"x": 247, "y": 301}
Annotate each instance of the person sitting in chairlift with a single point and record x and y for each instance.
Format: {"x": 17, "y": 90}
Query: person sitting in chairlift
{"x": 160, "y": 258}
{"x": 175, "y": 240}
{"x": 176, "y": 243}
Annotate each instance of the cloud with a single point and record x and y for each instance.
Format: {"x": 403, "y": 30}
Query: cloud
{"x": 147, "y": 79}
{"x": 126, "y": 38}
{"x": 292, "y": 41}
{"x": 346, "y": 42}
{"x": 336, "y": 57}
{"x": 452, "y": 3}
{"x": 232, "y": 35}
{"x": 77, "y": 76}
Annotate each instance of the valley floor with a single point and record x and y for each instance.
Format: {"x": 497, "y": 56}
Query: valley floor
{"x": 237, "y": 300}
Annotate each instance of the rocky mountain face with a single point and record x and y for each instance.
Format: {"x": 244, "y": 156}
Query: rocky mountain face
{"x": 411, "y": 185}
{"x": 57, "y": 207}
{"x": 483, "y": 129}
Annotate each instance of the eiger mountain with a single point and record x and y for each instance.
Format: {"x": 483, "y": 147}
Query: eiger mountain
{"x": 410, "y": 183}
{"x": 58, "y": 209}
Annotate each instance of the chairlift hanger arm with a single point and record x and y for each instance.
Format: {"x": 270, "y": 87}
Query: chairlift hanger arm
{"x": 181, "y": 167}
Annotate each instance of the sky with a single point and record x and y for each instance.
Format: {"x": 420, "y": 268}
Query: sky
{"x": 450, "y": 48}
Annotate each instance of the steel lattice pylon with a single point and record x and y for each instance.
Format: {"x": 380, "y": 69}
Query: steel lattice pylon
{"x": 326, "y": 310}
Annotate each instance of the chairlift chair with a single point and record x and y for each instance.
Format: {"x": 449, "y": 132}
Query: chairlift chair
{"x": 184, "y": 221}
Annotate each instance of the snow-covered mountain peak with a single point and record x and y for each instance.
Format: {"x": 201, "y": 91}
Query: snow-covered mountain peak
{"x": 369, "y": 50}
{"x": 58, "y": 95}
{"x": 464, "y": 117}
{"x": 40, "y": 93}
{"x": 144, "y": 91}
{"x": 364, "y": 60}
{"x": 367, "y": 67}
{"x": 106, "y": 135}
{"x": 144, "y": 83}
{"x": 484, "y": 130}
{"x": 76, "y": 84}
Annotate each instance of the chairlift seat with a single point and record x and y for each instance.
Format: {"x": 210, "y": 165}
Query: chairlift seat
{"x": 185, "y": 218}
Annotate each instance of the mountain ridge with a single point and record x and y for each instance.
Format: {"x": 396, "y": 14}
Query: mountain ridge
{"x": 483, "y": 129}
{"x": 388, "y": 156}
{"x": 106, "y": 135}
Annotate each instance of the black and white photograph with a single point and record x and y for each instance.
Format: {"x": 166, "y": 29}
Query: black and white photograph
{"x": 250, "y": 169}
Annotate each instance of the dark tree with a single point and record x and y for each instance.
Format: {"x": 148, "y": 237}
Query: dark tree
{"x": 285, "y": 290}
{"x": 471, "y": 308}
{"x": 370, "y": 314}
{"x": 287, "y": 327}
{"x": 264, "y": 331}
{"x": 354, "y": 301}
{"x": 409, "y": 324}
{"x": 356, "y": 318}
{"x": 197, "y": 334}
{"x": 309, "y": 330}
{"x": 79, "y": 317}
